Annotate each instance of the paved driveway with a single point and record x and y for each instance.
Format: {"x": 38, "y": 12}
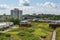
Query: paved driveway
{"x": 54, "y": 35}
{"x": 9, "y": 29}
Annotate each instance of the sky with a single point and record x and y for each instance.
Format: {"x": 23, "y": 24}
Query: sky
{"x": 31, "y": 6}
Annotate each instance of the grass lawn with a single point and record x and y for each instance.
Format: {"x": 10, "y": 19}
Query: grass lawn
{"x": 58, "y": 34}
{"x": 37, "y": 31}
{"x": 13, "y": 33}
{"x": 49, "y": 36}
{"x": 42, "y": 25}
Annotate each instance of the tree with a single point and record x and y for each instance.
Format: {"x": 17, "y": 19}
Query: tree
{"x": 11, "y": 20}
{"x": 15, "y": 21}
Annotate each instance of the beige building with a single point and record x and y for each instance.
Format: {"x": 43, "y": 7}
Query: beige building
{"x": 16, "y": 13}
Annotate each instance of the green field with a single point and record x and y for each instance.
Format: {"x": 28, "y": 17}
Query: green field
{"x": 38, "y": 31}
{"x": 58, "y": 34}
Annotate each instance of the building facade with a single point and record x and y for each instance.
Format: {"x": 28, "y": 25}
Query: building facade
{"x": 16, "y": 13}
{"x": 5, "y": 17}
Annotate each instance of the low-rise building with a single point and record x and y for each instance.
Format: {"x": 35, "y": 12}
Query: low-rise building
{"x": 4, "y": 17}
{"x": 54, "y": 24}
{"x": 5, "y": 24}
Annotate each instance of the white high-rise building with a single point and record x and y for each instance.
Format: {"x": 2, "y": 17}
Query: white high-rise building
{"x": 16, "y": 13}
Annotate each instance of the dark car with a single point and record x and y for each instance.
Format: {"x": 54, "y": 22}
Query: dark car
{"x": 24, "y": 23}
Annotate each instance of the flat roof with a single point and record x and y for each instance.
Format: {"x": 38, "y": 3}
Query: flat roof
{"x": 55, "y": 22}
{"x": 5, "y": 24}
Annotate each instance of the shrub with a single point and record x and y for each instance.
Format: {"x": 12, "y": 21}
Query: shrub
{"x": 31, "y": 29}
{"x": 27, "y": 36}
{"x": 31, "y": 38}
{"x": 8, "y": 35}
{"x": 23, "y": 33}
{"x": 40, "y": 33}
{"x": 44, "y": 35}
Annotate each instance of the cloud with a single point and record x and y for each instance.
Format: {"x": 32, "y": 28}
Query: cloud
{"x": 49, "y": 8}
{"x": 50, "y": 4}
{"x": 4, "y": 6}
{"x": 47, "y": 4}
{"x": 24, "y": 2}
{"x": 46, "y": 8}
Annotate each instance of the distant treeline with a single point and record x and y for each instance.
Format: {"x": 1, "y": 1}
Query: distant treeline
{"x": 43, "y": 16}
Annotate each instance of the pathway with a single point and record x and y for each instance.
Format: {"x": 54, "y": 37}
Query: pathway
{"x": 54, "y": 35}
{"x": 9, "y": 29}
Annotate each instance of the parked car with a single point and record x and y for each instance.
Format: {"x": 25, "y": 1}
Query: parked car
{"x": 25, "y": 23}
{"x": 35, "y": 20}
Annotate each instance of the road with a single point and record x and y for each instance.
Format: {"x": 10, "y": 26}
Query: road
{"x": 54, "y": 35}
{"x": 9, "y": 29}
